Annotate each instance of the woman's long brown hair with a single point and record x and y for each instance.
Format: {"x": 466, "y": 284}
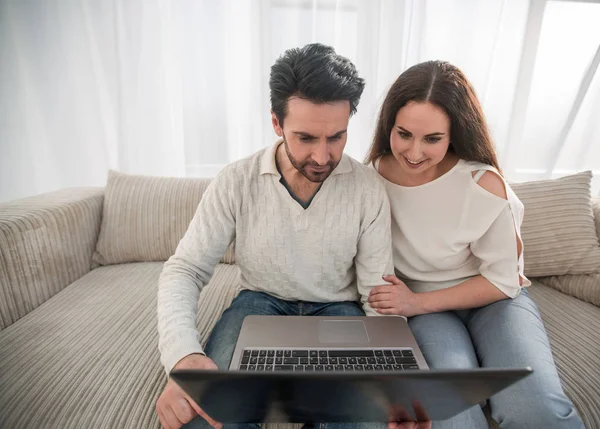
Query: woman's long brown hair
{"x": 444, "y": 85}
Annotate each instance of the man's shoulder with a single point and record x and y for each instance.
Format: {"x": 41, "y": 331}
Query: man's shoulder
{"x": 242, "y": 170}
{"x": 365, "y": 175}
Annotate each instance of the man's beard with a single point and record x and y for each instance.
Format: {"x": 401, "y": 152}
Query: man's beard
{"x": 304, "y": 167}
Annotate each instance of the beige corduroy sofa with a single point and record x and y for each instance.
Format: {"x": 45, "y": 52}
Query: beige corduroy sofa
{"x": 78, "y": 282}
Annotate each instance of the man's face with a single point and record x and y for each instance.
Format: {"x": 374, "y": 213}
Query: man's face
{"x": 314, "y": 135}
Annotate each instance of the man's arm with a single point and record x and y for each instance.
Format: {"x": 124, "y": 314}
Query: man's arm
{"x": 185, "y": 274}
{"x": 374, "y": 255}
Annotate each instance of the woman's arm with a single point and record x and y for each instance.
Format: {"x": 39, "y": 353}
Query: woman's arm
{"x": 398, "y": 299}
{"x": 472, "y": 293}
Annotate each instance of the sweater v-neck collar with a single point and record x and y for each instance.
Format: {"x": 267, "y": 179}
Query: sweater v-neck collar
{"x": 304, "y": 205}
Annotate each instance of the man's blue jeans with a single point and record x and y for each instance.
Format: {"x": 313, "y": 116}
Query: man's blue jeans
{"x": 222, "y": 340}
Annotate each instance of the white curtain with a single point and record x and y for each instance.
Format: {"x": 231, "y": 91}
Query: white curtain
{"x": 180, "y": 87}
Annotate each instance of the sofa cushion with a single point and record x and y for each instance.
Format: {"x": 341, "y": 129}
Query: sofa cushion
{"x": 88, "y": 357}
{"x": 583, "y": 286}
{"x": 573, "y": 328}
{"x": 558, "y": 231}
{"x": 145, "y": 217}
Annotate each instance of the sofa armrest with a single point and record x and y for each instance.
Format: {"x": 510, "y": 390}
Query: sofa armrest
{"x": 46, "y": 243}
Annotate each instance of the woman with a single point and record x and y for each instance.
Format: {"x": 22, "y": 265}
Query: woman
{"x": 458, "y": 253}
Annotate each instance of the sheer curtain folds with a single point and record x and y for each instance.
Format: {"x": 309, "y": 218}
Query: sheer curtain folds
{"x": 181, "y": 87}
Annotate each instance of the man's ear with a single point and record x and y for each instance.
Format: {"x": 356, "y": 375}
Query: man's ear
{"x": 276, "y": 126}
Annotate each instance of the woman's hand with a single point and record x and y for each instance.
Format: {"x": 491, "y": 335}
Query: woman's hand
{"x": 395, "y": 299}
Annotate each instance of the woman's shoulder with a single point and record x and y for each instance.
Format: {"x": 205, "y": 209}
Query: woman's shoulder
{"x": 489, "y": 186}
{"x": 493, "y": 183}
{"x": 485, "y": 177}
{"x": 476, "y": 166}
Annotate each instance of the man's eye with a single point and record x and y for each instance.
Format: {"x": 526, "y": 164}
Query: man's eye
{"x": 306, "y": 139}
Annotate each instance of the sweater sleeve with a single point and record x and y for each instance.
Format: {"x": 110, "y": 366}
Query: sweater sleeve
{"x": 374, "y": 255}
{"x": 191, "y": 267}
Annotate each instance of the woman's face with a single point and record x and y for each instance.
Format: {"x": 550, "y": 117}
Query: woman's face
{"x": 420, "y": 137}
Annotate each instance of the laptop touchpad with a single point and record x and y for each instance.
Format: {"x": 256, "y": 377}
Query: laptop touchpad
{"x": 342, "y": 331}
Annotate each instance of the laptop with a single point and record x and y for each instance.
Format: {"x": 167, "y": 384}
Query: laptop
{"x": 304, "y": 369}
{"x": 326, "y": 344}
{"x": 358, "y": 396}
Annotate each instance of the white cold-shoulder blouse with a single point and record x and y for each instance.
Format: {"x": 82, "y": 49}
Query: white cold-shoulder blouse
{"x": 451, "y": 229}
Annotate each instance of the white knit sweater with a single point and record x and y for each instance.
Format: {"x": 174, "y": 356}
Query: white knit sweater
{"x": 335, "y": 250}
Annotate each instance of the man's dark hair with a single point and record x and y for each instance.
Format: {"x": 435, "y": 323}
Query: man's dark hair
{"x": 315, "y": 73}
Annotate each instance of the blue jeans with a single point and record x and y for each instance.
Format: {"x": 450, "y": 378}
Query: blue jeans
{"x": 222, "y": 340}
{"x": 508, "y": 333}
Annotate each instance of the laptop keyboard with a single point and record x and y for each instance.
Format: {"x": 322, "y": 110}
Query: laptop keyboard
{"x": 333, "y": 360}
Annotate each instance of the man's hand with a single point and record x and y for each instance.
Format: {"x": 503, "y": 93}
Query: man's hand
{"x": 395, "y": 299}
{"x": 400, "y": 419}
{"x": 410, "y": 425}
{"x": 175, "y": 408}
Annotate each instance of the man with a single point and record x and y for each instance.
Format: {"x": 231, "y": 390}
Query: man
{"x": 311, "y": 225}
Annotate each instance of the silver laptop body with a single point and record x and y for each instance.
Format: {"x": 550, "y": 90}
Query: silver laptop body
{"x": 319, "y": 334}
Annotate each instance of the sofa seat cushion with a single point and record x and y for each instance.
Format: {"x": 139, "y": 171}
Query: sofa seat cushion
{"x": 88, "y": 357}
{"x": 573, "y": 328}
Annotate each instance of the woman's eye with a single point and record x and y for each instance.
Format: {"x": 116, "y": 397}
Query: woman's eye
{"x": 404, "y": 135}
{"x": 432, "y": 139}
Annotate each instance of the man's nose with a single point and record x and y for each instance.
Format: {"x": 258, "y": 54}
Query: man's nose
{"x": 321, "y": 154}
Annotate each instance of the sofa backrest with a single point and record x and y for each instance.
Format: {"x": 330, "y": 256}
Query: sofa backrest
{"x": 144, "y": 218}
{"x": 47, "y": 241}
